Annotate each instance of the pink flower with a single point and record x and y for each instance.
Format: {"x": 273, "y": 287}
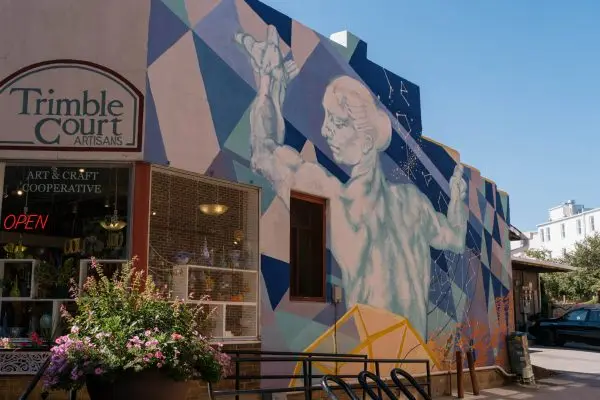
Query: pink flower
{"x": 74, "y": 329}
{"x": 148, "y": 333}
{"x": 176, "y": 336}
{"x": 159, "y": 355}
{"x": 98, "y": 371}
{"x": 159, "y": 365}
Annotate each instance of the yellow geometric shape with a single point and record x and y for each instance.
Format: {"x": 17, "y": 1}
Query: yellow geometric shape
{"x": 382, "y": 334}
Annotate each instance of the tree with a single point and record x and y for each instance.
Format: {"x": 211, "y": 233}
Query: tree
{"x": 581, "y": 284}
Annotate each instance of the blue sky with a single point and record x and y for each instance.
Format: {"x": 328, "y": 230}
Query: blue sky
{"x": 513, "y": 85}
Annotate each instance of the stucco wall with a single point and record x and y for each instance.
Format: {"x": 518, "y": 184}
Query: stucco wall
{"x": 419, "y": 244}
{"x": 111, "y": 33}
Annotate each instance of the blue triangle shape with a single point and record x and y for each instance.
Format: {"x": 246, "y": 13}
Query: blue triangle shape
{"x": 331, "y": 166}
{"x": 247, "y": 176}
{"x": 276, "y": 275}
{"x": 485, "y": 276}
{"x": 496, "y": 230}
{"x": 293, "y": 137}
{"x": 282, "y": 22}
{"x": 228, "y": 95}
{"x": 497, "y": 287}
{"x": 438, "y": 257}
{"x": 222, "y": 166}
{"x": 499, "y": 207}
{"x": 164, "y": 30}
{"x": 473, "y": 237}
{"x": 154, "y": 147}
{"x": 178, "y": 8}
{"x": 488, "y": 244}
{"x": 489, "y": 193}
{"x": 325, "y": 317}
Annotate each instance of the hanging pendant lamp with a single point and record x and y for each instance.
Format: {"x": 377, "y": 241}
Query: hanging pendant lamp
{"x": 114, "y": 223}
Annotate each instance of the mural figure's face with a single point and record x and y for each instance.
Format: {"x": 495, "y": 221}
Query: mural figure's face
{"x": 347, "y": 144}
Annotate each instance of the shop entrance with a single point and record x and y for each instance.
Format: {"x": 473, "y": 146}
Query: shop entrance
{"x": 53, "y": 220}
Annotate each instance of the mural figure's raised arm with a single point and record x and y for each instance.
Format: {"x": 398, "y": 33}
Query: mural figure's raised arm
{"x": 269, "y": 156}
{"x": 448, "y": 232}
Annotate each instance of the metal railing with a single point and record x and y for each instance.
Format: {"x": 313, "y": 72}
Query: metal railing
{"x": 306, "y": 359}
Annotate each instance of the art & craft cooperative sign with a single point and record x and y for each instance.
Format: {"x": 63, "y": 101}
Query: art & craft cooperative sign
{"x": 70, "y": 105}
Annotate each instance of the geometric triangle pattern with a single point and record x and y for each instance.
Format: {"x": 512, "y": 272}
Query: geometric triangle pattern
{"x": 399, "y": 201}
{"x": 165, "y": 29}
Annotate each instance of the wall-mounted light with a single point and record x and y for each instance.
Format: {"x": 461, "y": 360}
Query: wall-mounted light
{"x": 82, "y": 170}
{"x": 153, "y": 213}
{"x": 19, "y": 192}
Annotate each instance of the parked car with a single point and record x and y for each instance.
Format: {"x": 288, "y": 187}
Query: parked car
{"x": 578, "y": 325}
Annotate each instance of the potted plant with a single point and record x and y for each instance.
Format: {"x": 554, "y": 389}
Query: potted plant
{"x": 127, "y": 341}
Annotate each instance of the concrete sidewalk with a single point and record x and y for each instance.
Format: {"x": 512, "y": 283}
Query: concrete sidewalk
{"x": 566, "y": 386}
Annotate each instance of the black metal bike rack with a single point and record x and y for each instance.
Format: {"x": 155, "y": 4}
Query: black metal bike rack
{"x": 328, "y": 389}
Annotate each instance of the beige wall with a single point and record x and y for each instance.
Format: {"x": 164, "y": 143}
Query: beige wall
{"x": 113, "y": 33}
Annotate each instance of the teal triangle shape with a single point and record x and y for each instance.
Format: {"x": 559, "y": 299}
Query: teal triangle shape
{"x": 239, "y": 139}
{"x": 488, "y": 221}
{"x": 300, "y": 332}
{"x": 504, "y": 201}
{"x": 347, "y": 51}
{"x": 484, "y": 252}
{"x": 482, "y": 204}
{"x": 460, "y": 300}
{"x": 178, "y": 8}
{"x": 245, "y": 175}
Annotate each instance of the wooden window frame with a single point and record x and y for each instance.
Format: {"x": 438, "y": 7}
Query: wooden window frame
{"x": 322, "y": 202}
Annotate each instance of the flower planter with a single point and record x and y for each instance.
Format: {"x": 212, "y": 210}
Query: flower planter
{"x": 153, "y": 385}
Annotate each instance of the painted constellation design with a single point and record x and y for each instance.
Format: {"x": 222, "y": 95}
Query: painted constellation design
{"x": 461, "y": 272}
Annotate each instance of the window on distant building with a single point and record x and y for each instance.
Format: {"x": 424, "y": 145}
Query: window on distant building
{"x": 542, "y": 235}
{"x": 562, "y": 231}
{"x": 548, "y": 234}
{"x": 592, "y": 227}
{"x": 579, "y": 227}
{"x": 307, "y": 247}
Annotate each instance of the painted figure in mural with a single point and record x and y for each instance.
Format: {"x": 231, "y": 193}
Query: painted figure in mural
{"x": 380, "y": 233}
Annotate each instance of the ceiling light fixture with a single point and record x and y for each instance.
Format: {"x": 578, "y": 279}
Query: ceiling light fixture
{"x": 215, "y": 209}
{"x": 114, "y": 224}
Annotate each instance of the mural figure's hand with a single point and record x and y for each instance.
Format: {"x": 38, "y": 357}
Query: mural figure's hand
{"x": 458, "y": 186}
{"x": 266, "y": 57}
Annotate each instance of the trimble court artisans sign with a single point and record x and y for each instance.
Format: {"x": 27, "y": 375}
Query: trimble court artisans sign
{"x": 64, "y": 105}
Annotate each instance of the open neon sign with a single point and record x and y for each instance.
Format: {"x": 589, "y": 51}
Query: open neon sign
{"x": 28, "y": 222}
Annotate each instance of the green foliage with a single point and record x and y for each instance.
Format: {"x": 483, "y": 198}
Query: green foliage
{"x": 125, "y": 324}
{"x": 581, "y": 284}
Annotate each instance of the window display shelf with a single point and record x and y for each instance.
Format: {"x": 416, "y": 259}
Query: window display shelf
{"x": 232, "y": 294}
{"x": 20, "y": 316}
{"x": 225, "y": 285}
{"x": 243, "y": 270}
{"x": 18, "y": 278}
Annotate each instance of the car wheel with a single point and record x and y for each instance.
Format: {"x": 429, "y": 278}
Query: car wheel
{"x": 546, "y": 337}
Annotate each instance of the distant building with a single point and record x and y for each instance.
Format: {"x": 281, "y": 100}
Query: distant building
{"x": 567, "y": 224}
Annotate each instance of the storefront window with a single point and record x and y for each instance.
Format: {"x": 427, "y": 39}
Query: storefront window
{"x": 54, "y": 219}
{"x": 204, "y": 247}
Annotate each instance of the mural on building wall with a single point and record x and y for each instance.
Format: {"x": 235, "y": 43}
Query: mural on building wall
{"x": 418, "y": 241}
